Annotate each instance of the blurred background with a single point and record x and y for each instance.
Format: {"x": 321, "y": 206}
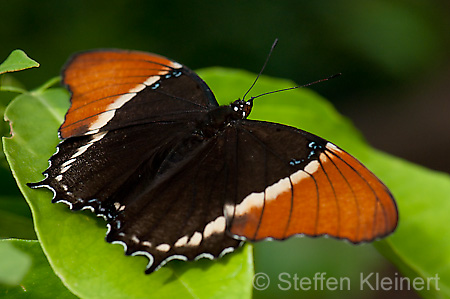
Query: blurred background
{"x": 394, "y": 56}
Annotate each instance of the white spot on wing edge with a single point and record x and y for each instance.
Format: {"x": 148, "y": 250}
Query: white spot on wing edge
{"x": 96, "y": 137}
{"x": 65, "y": 168}
{"x": 147, "y": 244}
{"x": 215, "y": 227}
{"x": 333, "y": 147}
{"x": 253, "y": 200}
{"x": 172, "y": 257}
{"x": 181, "y": 241}
{"x": 151, "y": 80}
{"x": 125, "y": 98}
{"x": 296, "y": 177}
{"x": 70, "y": 161}
{"x": 81, "y": 150}
{"x": 163, "y": 247}
{"x": 228, "y": 250}
{"x": 176, "y": 65}
{"x": 228, "y": 211}
{"x": 204, "y": 255}
{"x": 66, "y": 202}
{"x": 323, "y": 157}
{"x": 102, "y": 120}
{"x": 135, "y": 239}
{"x": 312, "y": 166}
{"x": 88, "y": 208}
{"x": 92, "y": 132}
{"x": 195, "y": 240}
{"x": 108, "y": 226}
{"x": 135, "y": 89}
{"x": 273, "y": 191}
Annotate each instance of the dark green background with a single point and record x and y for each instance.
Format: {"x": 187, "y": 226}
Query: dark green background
{"x": 394, "y": 56}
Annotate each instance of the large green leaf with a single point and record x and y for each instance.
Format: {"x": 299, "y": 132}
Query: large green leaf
{"x": 17, "y": 61}
{"x": 74, "y": 242}
{"x": 420, "y": 247}
{"x": 90, "y": 267}
{"x": 36, "y": 278}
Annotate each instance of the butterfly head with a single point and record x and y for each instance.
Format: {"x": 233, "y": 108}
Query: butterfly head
{"x": 242, "y": 107}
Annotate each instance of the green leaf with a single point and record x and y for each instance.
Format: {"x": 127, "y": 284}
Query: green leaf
{"x": 14, "y": 264}
{"x": 90, "y": 267}
{"x": 17, "y": 61}
{"x": 74, "y": 242}
{"x": 420, "y": 246}
{"x": 37, "y": 279}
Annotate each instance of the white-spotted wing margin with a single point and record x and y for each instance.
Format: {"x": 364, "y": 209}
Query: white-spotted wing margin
{"x": 172, "y": 257}
{"x": 46, "y": 175}
{"x": 143, "y": 253}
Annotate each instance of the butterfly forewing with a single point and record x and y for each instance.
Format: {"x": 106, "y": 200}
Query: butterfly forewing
{"x": 116, "y": 89}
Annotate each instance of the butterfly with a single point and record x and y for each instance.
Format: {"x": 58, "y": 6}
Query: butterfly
{"x": 176, "y": 176}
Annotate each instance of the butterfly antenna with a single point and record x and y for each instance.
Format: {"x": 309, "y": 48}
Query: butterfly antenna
{"x": 295, "y": 87}
{"x": 262, "y": 69}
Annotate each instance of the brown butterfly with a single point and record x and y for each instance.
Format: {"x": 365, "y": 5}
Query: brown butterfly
{"x": 176, "y": 176}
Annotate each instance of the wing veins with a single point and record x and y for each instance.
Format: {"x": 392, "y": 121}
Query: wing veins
{"x": 353, "y": 192}
{"x": 373, "y": 191}
{"x": 318, "y": 202}
{"x": 264, "y": 145}
{"x": 335, "y": 197}
{"x": 123, "y": 59}
{"x": 191, "y": 210}
{"x": 264, "y": 200}
{"x": 291, "y": 209}
{"x": 179, "y": 98}
{"x": 112, "y": 78}
{"x": 143, "y": 123}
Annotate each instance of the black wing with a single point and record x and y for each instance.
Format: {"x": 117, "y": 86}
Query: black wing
{"x": 130, "y": 117}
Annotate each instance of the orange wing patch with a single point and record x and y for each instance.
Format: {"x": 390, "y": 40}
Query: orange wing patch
{"x": 335, "y": 195}
{"x": 103, "y": 81}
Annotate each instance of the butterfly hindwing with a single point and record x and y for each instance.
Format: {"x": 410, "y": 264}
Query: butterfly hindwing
{"x": 180, "y": 213}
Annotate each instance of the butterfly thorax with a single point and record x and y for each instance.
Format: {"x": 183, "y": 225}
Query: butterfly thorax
{"x": 221, "y": 117}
